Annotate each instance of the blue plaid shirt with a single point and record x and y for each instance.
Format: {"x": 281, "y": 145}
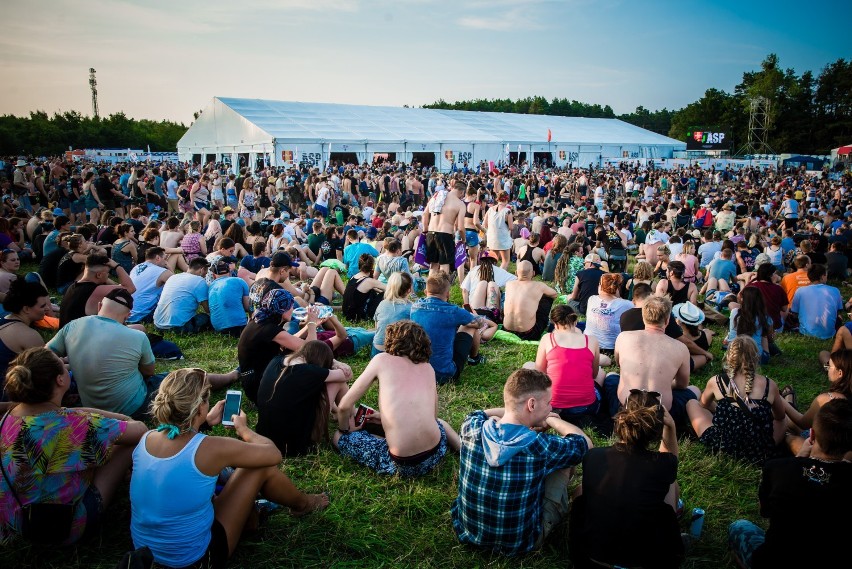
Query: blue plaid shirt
{"x": 499, "y": 508}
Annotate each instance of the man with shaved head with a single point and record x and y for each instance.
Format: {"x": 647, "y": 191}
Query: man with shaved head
{"x": 527, "y": 304}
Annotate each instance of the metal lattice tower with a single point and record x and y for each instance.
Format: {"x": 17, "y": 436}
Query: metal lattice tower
{"x": 759, "y": 122}
{"x": 93, "y": 83}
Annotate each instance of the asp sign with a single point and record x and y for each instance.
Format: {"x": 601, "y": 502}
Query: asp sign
{"x": 707, "y": 140}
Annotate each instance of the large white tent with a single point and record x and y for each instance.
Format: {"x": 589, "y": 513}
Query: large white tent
{"x": 283, "y": 133}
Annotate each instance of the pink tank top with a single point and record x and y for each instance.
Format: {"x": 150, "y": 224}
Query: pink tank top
{"x": 570, "y": 370}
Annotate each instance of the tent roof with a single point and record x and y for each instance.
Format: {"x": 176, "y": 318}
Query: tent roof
{"x": 285, "y": 120}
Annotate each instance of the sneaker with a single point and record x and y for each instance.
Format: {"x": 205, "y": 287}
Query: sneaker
{"x": 480, "y": 359}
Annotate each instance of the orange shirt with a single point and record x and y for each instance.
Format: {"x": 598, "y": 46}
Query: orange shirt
{"x": 794, "y": 281}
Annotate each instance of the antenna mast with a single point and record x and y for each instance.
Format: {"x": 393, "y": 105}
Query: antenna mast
{"x": 93, "y": 83}
{"x": 759, "y": 123}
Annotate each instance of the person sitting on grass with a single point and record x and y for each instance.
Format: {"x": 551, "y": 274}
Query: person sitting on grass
{"x": 839, "y": 369}
{"x": 414, "y": 440}
{"x": 571, "y": 360}
{"x": 80, "y": 456}
{"x": 395, "y": 306}
{"x": 363, "y": 293}
{"x": 805, "y": 491}
{"x": 455, "y": 333}
{"x": 296, "y": 395}
{"x": 689, "y": 318}
{"x": 506, "y": 449}
{"x": 527, "y": 304}
{"x": 625, "y": 512}
{"x": 651, "y": 360}
{"x": 721, "y": 273}
{"x": 817, "y": 305}
{"x": 481, "y": 287}
{"x": 741, "y": 414}
{"x": 175, "y": 512}
{"x": 25, "y": 304}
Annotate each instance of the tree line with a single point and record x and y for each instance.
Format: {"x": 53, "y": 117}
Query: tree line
{"x": 41, "y": 135}
{"x": 807, "y": 114}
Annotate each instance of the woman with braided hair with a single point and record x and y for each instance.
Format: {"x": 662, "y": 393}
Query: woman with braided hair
{"x": 567, "y": 267}
{"x": 740, "y": 413}
{"x": 175, "y": 511}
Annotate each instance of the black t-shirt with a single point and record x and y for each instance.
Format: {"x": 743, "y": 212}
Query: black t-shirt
{"x": 837, "y": 264}
{"x": 49, "y": 265}
{"x": 103, "y": 188}
{"x": 74, "y": 302}
{"x": 255, "y": 349}
{"x": 623, "y": 518}
{"x": 287, "y": 404}
{"x": 588, "y": 281}
{"x": 330, "y": 247}
{"x": 797, "y": 490}
{"x": 631, "y": 320}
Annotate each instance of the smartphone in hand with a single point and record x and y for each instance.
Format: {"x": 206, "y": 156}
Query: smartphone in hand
{"x": 233, "y": 400}
{"x": 361, "y": 414}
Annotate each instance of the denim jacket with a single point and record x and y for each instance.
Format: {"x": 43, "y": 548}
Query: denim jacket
{"x": 440, "y": 320}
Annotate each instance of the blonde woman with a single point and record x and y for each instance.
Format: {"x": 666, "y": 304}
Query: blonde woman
{"x": 643, "y": 273}
{"x": 740, "y": 413}
{"x": 193, "y": 524}
{"x": 690, "y": 261}
{"x": 395, "y": 306}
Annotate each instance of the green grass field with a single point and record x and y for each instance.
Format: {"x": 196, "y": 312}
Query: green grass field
{"x": 377, "y": 521}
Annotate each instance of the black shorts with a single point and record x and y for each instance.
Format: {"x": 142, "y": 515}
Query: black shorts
{"x": 440, "y": 248}
{"x": 216, "y": 556}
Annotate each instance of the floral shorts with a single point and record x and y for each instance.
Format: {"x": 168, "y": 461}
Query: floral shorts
{"x": 372, "y": 452}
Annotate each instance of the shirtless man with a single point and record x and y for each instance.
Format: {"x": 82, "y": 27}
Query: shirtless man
{"x": 472, "y": 225}
{"x": 415, "y": 440}
{"x": 527, "y": 305}
{"x": 652, "y": 361}
{"x": 443, "y": 218}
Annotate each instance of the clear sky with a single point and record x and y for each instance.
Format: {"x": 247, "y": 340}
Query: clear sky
{"x": 166, "y": 59}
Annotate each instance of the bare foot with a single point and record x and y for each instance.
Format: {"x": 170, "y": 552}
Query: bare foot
{"x": 315, "y": 503}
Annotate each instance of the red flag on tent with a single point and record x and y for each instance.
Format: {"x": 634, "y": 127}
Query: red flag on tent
{"x": 549, "y": 136}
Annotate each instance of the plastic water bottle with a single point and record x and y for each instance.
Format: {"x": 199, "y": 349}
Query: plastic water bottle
{"x": 697, "y": 524}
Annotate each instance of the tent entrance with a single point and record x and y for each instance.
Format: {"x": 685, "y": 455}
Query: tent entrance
{"x": 196, "y": 158}
{"x": 208, "y": 158}
{"x": 544, "y": 159}
{"x": 513, "y": 157}
{"x": 425, "y": 159}
{"x": 381, "y": 157}
{"x": 343, "y": 158}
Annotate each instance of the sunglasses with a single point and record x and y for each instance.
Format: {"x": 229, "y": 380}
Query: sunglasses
{"x": 651, "y": 393}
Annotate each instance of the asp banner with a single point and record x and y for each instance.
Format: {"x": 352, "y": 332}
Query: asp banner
{"x": 699, "y": 139}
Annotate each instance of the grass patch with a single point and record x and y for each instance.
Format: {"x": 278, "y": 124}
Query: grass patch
{"x": 392, "y": 522}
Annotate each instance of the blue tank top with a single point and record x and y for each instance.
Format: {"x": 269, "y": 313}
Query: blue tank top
{"x": 171, "y": 507}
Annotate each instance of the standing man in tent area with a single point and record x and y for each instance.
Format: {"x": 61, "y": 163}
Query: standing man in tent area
{"x": 443, "y": 220}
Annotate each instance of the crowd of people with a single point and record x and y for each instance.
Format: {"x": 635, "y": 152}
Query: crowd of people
{"x": 616, "y": 271}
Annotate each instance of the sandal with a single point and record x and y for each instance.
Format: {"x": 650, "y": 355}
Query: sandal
{"x": 790, "y": 391}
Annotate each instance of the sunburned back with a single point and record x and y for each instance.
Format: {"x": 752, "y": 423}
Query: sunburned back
{"x": 170, "y": 239}
{"x": 522, "y": 298}
{"x": 408, "y": 399}
{"x": 649, "y": 361}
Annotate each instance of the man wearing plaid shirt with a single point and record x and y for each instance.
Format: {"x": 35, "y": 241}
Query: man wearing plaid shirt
{"x": 513, "y": 481}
